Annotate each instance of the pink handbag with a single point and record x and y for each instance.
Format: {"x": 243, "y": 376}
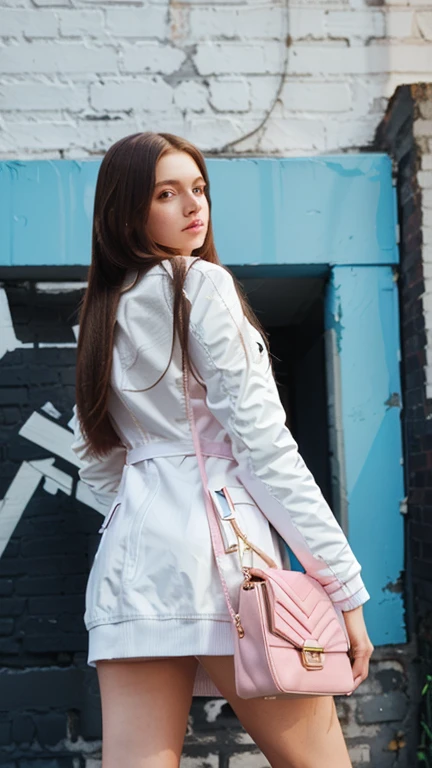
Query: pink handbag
{"x": 290, "y": 639}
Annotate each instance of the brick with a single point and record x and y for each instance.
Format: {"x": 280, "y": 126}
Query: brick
{"x": 151, "y": 57}
{"x": 23, "y": 729}
{"x": 226, "y": 58}
{"x": 147, "y": 21}
{"x": 248, "y": 760}
{"x": 9, "y": 647}
{"x": 6, "y": 587}
{"x": 387, "y": 707}
{"x": 401, "y": 23}
{"x": 50, "y": 727}
{"x": 52, "y": 3}
{"x": 15, "y": 23}
{"x": 41, "y": 96}
{"x": 148, "y": 94}
{"x": 306, "y": 23}
{"x": 49, "y": 585}
{"x": 262, "y": 89}
{"x": 208, "y": 132}
{"x": 355, "y": 23}
{"x": 6, "y": 627}
{"x": 425, "y": 109}
{"x": 316, "y": 97}
{"x": 11, "y": 606}
{"x": 360, "y": 754}
{"x": 56, "y": 57}
{"x": 424, "y": 21}
{"x": 241, "y": 21}
{"x": 381, "y": 58}
{"x": 13, "y": 395}
{"x": 230, "y": 95}
{"x": 53, "y": 605}
{"x": 5, "y": 738}
{"x": 191, "y": 95}
{"x": 349, "y": 133}
{"x": 37, "y": 136}
{"x": 78, "y": 23}
{"x": 40, "y": 626}
{"x": 424, "y": 178}
{"x": 57, "y": 643}
{"x": 293, "y": 135}
{"x": 422, "y": 128}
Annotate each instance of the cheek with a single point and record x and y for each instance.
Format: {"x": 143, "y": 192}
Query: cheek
{"x": 159, "y": 221}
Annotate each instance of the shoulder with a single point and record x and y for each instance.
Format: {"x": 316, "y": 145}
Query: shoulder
{"x": 154, "y": 287}
{"x": 204, "y": 276}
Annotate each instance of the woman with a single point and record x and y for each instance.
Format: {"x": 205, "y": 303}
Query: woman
{"x": 159, "y": 628}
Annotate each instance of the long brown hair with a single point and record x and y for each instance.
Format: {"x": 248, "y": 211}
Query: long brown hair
{"x": 124, "y": 191}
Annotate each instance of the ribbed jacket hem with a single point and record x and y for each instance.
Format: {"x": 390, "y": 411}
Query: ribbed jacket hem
{"x": 152, "y": 638}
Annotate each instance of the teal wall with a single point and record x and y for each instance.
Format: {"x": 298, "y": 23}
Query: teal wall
{"x": 317, "y": 211}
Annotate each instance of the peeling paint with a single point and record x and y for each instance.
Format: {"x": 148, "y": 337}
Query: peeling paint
{"x": 394, "y": 401}
{"x": 338, "y": 326}
{"x": 397, "y": 587}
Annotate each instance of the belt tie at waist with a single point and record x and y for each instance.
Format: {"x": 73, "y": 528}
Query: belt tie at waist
{"x": 176, "y": 448}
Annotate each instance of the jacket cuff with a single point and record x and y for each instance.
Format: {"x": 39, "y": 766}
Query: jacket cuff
{"x": 349, "y": 595}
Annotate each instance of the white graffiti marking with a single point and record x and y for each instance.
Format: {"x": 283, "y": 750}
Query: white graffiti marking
{"x": 51, "y": 410}
{"x": 51, "y": 436}
{"x": 42, "y": 432}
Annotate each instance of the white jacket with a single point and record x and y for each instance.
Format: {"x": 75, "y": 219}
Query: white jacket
{"x": 155, "y": 558}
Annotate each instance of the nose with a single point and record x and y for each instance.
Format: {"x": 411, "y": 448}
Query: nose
{"x": 192, "y": 204}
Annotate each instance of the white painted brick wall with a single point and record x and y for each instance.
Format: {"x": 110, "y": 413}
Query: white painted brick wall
{"x": 207, "y": 70}
{"x": 423, "y": 133}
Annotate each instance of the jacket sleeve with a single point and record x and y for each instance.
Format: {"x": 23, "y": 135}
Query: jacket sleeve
{"x": 102, "y": 476}
{"x": 241, "y": 393}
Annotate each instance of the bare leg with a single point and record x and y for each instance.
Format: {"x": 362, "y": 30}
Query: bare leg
{"x": 145, "y": 706}
{"x": 292, "y": 733}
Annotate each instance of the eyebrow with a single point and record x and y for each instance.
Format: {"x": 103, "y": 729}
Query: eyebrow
{"x": 176, "y": 182}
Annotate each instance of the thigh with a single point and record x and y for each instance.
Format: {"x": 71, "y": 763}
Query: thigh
{"x": 292, "y": 733}
{"x": 145, "y": 706}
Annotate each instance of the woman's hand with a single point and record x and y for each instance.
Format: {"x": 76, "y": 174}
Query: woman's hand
{"x": 361, "y": 646}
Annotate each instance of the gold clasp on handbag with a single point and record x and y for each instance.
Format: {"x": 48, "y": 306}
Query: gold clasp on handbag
{"x": 312, "y": 657}
{"x": 248, "y": 583}
{"x": 239, "y": 628}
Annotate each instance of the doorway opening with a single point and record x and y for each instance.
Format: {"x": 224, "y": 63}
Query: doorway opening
{"x": 291, "y": 310}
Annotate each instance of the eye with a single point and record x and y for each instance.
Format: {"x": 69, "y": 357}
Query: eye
{"x": 166, "y": 192}
{"x": 201, "y": 189}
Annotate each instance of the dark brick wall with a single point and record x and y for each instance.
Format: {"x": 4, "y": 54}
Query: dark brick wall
{"x": 46, "y": 692}
{"x": 396, "y": 135}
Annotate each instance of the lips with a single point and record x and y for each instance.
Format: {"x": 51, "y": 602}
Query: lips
{"x": 196, "y": 224}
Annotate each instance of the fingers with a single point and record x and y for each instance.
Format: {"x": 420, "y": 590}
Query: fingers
{"x": 360, "y": 665}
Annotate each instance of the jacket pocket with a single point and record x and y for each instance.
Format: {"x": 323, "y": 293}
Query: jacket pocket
{"x": 243, "y": 510}
{"x": 109, "y": 516}
{"x": 134, "y": 537}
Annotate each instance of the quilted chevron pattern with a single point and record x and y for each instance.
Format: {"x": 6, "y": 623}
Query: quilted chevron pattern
{"x": 300, "y": 612}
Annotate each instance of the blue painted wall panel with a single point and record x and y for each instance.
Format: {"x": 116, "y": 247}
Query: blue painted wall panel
{"x": 362, "y": 306}
{"x": 267, "y": 211}
{"x": 50, "y": 208}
